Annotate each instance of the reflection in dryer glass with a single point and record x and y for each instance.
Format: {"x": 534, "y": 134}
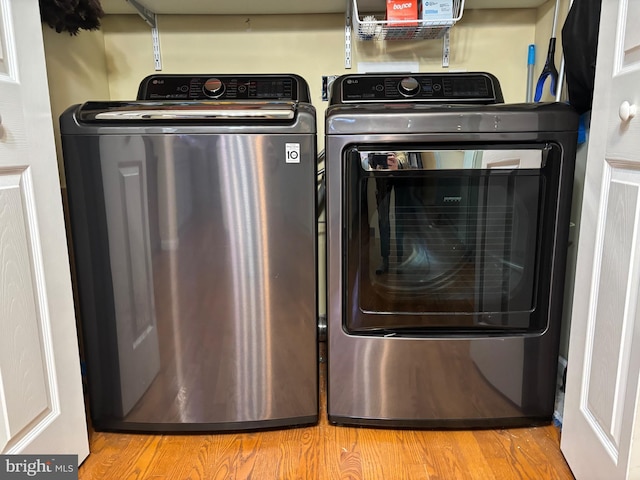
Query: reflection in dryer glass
{"x": 443, "y": 238}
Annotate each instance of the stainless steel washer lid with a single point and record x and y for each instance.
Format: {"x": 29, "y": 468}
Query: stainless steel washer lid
{"x": 189, "y": 117}
{"x": 178, "y": 111}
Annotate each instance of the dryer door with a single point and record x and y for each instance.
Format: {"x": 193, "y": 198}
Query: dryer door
{"x": 449, "y": 240}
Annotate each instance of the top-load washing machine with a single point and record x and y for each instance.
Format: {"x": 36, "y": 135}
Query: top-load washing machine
{"x": 447, "y": 220}
{"x": 193, "y": 218}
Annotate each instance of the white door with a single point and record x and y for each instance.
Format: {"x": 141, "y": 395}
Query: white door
{"x": 41, "y": 401}
{"x": 601, "y": 426}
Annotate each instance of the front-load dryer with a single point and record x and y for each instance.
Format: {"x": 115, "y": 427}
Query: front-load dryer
{"x": 447, "y": 220}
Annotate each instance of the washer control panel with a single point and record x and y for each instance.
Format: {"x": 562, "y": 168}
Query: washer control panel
{"x": 224, "y": 87}
{"x": 420, "y": 87}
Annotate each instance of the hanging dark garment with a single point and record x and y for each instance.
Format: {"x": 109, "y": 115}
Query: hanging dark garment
{"x": 580, "y": 45}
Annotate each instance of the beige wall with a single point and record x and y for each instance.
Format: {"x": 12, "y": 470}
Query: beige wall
{"x": 76, "y": 72}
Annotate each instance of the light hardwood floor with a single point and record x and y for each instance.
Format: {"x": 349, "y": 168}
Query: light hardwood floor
{"x": 327, "y": 452}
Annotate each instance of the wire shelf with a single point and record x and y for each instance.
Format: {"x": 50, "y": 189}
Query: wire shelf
{"x": 372, "y": 27}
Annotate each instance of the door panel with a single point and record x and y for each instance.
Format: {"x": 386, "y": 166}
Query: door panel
{"x": 25, "y": 339}
{"x": 41, "y": 399}
{"x": 631, "y": 42}
{"x": 611, "y": 326}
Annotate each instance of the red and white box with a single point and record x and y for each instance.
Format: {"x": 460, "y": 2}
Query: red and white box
{"x": 402, "y": 10}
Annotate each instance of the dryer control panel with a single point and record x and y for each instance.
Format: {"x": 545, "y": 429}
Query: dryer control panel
{"x": 224, "y": 87}
{"x": 478, "y": 88}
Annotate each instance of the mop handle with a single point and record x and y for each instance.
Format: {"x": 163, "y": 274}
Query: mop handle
{"x": 555, "y": 18}
{"x": 531, "y": 62}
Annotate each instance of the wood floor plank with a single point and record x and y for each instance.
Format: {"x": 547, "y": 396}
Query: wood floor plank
{"x": 522, "y": 454}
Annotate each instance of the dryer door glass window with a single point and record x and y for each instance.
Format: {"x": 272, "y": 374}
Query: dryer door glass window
{"x": 443, "y": 238}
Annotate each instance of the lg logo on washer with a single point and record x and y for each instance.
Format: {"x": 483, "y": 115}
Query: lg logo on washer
{"x": 292, "y": 152}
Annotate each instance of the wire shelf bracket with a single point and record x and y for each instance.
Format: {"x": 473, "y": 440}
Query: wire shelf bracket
{"x": 446, "y": 50}
{"x": 347, "y": 39}
{"x": 152, "y": 20}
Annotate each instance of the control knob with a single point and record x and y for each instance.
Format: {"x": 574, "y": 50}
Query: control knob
{"x": 409, "y": 86}
{"x": 213, "y": 87}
